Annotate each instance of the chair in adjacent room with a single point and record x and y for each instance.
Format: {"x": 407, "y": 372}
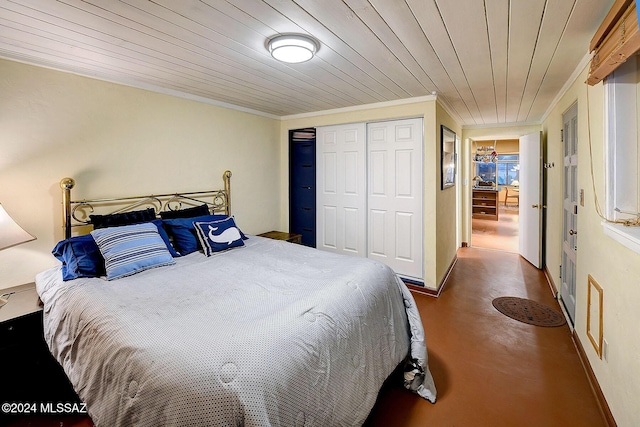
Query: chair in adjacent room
{"x": 512, "y": 193}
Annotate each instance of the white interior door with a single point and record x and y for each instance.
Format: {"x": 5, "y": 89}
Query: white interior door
{"x": 394, "y": 195}
{"x": 530, "y": 221}
{"x": 341, "y": 189}
{"x": 570, "y": 210}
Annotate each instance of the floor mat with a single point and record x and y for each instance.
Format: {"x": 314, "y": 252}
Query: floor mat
{"x": 529, "y": 311}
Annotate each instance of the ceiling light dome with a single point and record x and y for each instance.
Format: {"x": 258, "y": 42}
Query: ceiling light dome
{"x": 292, "y": 48}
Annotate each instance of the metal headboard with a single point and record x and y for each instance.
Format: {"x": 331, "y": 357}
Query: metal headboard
{"x": 75, "y": 213}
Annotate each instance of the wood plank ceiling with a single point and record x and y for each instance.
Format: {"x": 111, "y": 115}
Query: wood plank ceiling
{"x": 488, "y": 61}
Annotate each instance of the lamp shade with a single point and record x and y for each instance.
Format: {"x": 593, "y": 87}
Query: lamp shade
{"x": 292, "y": 48}
{"x": 11, "y": 234}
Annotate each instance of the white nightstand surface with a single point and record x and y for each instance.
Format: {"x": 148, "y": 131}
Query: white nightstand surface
{"x": 23, "y": 301}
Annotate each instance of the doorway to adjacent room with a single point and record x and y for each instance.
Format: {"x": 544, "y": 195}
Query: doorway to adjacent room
{"x": 495, "y": 195}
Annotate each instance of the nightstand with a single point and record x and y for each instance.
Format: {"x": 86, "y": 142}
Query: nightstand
{"x": 28, "y": 371}
{"x": 22, "y": 300}
{"x": 281, "y": 235}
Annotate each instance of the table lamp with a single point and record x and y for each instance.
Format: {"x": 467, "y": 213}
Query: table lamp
{"x": 11, "y": 234}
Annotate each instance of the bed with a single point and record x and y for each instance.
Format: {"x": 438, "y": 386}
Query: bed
{"x": 265, "y": 333}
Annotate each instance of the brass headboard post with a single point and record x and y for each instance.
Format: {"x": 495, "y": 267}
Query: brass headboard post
{"x": 226, "y": 177}
{"x": 66, "y": 184}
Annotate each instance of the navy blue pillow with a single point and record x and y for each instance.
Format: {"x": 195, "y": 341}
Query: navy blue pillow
{"x": 183, "y": 232}
{"x": 165, "y": 237}
{"x": 216, "y": 236}
{"x": 123, "y": 218}
{"x": 186, "y": 213}
{"x": 80, "y": 257}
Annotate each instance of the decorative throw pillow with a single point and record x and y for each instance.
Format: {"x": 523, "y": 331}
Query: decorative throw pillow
{"x": 131, "y": 249}
{"x": 163, "y": 233}
{"x": 186, "y": 213}
{"x": 80, "y": 257}
{"x": 216, "y": 236}
{"x": 123, "y": 218}
{"x": 183, "y": 233}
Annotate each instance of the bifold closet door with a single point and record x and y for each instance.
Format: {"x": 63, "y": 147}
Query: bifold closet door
{"x": 394, "y": 201}
{"x": 369, "y": 192}
{"x": 341, "y": 189}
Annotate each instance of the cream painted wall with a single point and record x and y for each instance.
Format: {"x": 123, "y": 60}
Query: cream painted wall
{"x": 554, "y": 197}
{"x": 116, "y": 141}
{"x": 613, "y": 266}
{"x": 426, "y": 109}
{"x": 447, "y": 201}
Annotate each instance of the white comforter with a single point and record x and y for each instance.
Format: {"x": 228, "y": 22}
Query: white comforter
{"x": 269, "y": 334}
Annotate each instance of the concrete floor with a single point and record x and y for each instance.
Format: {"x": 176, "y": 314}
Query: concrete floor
{"x": 491, "y": 370}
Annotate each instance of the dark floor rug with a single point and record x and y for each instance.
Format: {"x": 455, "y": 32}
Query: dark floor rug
{"x": 529, "y": 311}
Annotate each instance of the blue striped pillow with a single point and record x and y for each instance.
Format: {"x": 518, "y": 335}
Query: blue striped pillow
{"x": 131, "y": 248}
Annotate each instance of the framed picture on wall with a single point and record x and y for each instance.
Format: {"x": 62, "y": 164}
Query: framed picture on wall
{"x": 448, "y": 157}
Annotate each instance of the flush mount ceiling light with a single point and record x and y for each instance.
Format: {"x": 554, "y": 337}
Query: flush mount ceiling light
{"x": 292, "y": 48}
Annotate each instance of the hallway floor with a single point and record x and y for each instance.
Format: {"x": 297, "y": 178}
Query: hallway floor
{"x": 501, "y": 234}
{"x": 489, "y": 369}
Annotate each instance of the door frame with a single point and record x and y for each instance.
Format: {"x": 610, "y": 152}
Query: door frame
{"x": 467, "y": 174}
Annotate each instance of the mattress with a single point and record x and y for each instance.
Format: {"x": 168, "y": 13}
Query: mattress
{"x": 270, "y": 334}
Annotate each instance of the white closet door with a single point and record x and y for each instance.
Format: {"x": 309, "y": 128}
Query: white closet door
{"x": 341, "y": 189}
{"x": 395, "y": 195}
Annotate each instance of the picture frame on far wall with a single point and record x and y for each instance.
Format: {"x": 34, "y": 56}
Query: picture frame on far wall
{"x": 447, "y": 157}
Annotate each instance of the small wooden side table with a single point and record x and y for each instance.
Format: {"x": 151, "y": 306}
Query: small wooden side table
{"x": 281, "y": 235}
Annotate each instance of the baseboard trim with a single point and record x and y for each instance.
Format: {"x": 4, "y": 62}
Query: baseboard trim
{"x": 593, "y": 381}
{"x": 552, "y": 285}
{"x": 423, "y": 290}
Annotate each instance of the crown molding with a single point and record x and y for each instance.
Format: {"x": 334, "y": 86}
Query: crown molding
{"x": 393, "y": 103}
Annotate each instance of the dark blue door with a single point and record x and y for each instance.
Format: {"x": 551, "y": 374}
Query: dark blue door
{"x": 302, "y": 185}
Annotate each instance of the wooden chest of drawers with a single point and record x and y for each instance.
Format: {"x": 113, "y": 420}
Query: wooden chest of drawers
{"x": 485, "y": 204}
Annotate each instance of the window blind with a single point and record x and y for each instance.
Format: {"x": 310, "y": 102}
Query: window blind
{"x": 617, "y": 38}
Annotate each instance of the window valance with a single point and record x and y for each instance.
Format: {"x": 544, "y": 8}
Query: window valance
{"x": 617, "y": 38}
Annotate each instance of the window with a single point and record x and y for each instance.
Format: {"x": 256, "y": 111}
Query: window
{"x": 486, "y": 171}
{"x": 622, "y": 154}
{"x": 505, "y": 171}
{"x": 508, "y": 169}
